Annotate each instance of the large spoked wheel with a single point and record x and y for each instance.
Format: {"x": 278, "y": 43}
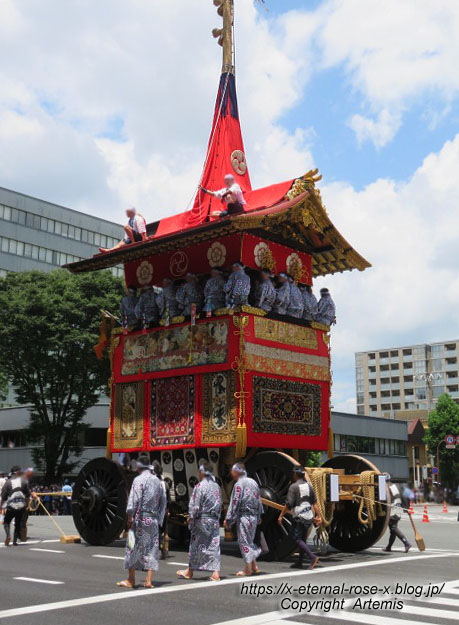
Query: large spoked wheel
{"x": 346, "y": 533}
{"x": 272, "y": 470}
{"x": 99, "y": 501}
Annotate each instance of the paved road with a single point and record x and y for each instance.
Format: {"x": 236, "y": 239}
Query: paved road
{"x": 46, "y": 581}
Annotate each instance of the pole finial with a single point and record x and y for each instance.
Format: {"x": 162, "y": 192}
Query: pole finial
{"x": 225, "y": 34}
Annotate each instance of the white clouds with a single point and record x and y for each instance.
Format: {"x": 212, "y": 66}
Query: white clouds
{"x": 410, "y": 233}
{"x": 379, "y": 131}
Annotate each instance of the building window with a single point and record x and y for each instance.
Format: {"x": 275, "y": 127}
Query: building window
{"x": 421, "y": 393}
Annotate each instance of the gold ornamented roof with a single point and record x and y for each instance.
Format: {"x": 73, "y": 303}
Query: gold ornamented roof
{"x": 300, "y": 222}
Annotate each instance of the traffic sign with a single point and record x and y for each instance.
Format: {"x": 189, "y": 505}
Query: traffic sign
{"x": 450, "y": 441}
{"x": 457, "y": 439}
{"x": 434, "y": 470}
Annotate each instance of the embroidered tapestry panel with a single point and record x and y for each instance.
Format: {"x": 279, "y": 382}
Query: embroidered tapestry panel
{"x": 128, "y": 416}
{"x": 286, "y": 407}
{"x": 287, "y": 333}
{"x": 219, "y": 407}
{"x": 278, "y": 361}
{"x": 174, "y": 348}
{"x": 172, "y": 409}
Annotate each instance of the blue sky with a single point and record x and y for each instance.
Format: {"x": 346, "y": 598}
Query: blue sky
{"x": 109, "y": 104}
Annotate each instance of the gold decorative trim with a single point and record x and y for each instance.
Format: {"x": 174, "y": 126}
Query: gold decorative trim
{"x": 320, "y": 326}
{"x": 263, "y": 364}
{"x": 120, "y": 440}
{"x": 286, "y": 355}
{"x": 284, "y": 332}
{"x": 259, "y": 312}
{"x": 211, "y": 435}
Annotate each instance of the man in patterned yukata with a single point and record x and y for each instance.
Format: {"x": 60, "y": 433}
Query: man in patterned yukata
{"x": 204, "y": 522}
{"x": 147, "y": 309}
{"x": 310, "y": 303}
{"x": 214, "y": 294}
{"x": 326, "y": 310}
{"x": 295, "y": 307}
{"x": 166, "y": 300}
{"x": 265, "y": 293}
{"x": 128, "y": 307}
{"x": 237, "y": 287}
{"x": 245, "y": 510}
{"x": 146, "y": 509}
{"x": 282, "y": 300}
{"x": 301, "y": 502}
{"x": 190, "y": 294}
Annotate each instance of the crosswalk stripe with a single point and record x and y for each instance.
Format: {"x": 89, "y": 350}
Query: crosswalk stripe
{"x": 430, "y": 612}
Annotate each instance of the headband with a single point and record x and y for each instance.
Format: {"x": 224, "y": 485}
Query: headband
{"x": 299, "y": 470}
{"x": 140, "y": 465}
{"x": 207, "y": 472}
{"x": 238, "y": 469}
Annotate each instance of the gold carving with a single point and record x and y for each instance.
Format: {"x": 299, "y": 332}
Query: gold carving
{"x": 305, "y": 183}
{"x": 224, "y": 35}
{"x": 286, "y": 333}
{"x": 259, "y": 312}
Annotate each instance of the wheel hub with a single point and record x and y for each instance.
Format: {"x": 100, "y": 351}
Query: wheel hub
{"x": 270, "y": 514}
{"x": 92, "y": 499}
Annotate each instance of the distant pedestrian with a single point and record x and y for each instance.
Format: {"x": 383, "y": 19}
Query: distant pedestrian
{"x": 16, "y": 493}
{"x": 395, "y": 516}
{"x": 67, "y": 498}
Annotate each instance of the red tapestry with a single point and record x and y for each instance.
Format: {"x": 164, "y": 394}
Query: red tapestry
{"x": 172, "y": 409}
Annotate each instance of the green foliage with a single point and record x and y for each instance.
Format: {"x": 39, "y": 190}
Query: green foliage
{"x": 49, "y": 324}
{"x": 442, "y": 421}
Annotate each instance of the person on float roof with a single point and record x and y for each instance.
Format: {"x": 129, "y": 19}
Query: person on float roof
{"x": 135, "y": 229}
{"x": 231, "y": 195}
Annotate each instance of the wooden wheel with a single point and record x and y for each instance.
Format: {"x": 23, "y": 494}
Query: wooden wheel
{"x": 99, "y": 501}
{"x": 272, "y": 470}
{"x": 345, "y": 532}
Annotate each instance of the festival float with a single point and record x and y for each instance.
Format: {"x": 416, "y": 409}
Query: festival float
{"x": 240, "y": 384}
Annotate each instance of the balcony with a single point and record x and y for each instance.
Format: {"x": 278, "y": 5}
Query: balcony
{"x": 395, "y": 386}
{"x": 408, "y": 371}
{"x": 384, "y": 361}
{"x": 408, "y": 358}
{"x": 454, "y": 394}
{"x": 385, "y": 387}
{"x": 450, "y": 353}
{"x": 372, "y": 375}
{"x": 451, "y": 366}
{"x": 452, "y": 380}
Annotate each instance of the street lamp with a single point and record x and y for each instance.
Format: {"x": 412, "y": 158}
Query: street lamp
{"x": 429, "y": 379}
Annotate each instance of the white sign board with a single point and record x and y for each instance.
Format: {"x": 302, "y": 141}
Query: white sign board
{"x": 334, "y": 487}
{"x": 382, "y": 494}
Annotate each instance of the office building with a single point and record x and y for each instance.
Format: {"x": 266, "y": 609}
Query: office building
{"x": 406, "y": 382}
{"x": 35, "y": 234}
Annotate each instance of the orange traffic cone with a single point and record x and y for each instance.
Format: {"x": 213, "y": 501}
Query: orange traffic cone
{"x": 445, "y": 509}
{"x": 425, "y": 516}
{"x": 410, "y": 509}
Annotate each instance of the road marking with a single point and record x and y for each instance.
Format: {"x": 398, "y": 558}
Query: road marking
{"x": 185, "y": 587}
{"x": 178, "y": 563}
{"x": 52, "y": 540}
{"x": 46, "y": 550}
{"x": 108, "y": 557}
{"x": 35, "y": 579}
{"x": 421, "y": 610}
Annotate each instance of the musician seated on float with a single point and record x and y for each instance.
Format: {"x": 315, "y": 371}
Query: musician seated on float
{"x": 147, "y": 309}
{"x": 128, "y": 308}
{"x": 265, "y": 293}
{"x": 237, "y": 287}
{"x": 214, "y": 293}
{"x": 135, "y": 229}
{"x": 282, "y": 301}
{"x": 326, "y": 309}
{"x": 231, "y": 195}
{"x": 296, "y": 305}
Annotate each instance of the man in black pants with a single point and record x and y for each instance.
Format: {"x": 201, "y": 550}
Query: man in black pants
{"x": 395, "y": 516}
{"x": 301, "y": 502}
{"x": 16, "y": 494}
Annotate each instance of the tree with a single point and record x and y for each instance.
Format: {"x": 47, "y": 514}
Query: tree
{"x": 444, "y": 420}
{"x": 49, "y": 324}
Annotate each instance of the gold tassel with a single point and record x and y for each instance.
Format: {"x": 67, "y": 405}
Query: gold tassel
{"x": 241, "y": 440}
{"x": 108, "y": 452}
{"x": 330, "y": 442}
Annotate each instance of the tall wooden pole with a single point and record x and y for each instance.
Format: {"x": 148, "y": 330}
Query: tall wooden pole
{"x": 225, "y": 34}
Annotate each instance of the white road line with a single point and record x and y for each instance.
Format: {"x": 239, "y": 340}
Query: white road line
{"x": 422, "y": 610}
{"x": 178, "y": 563}
{"x": 454, "y": 603}
{"x": 185, "y": 587}
{"x": 108, "y": 557}
{"x": 53, "y": 540}
{"x": 36, "y": 579}
{"x": 452, "y": 591}
{"x": 46, "y": 550}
